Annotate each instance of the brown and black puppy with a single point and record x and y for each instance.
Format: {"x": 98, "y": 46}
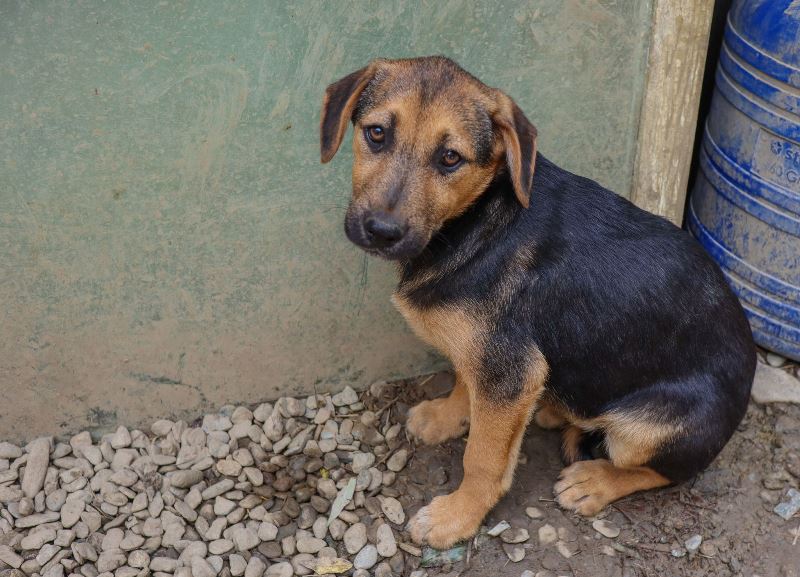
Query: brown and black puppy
{"x": 610, "y": 321}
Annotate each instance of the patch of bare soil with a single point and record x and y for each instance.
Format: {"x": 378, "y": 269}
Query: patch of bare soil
{"x": 729, "y": 506}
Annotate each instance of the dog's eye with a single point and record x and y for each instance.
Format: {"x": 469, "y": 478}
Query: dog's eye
{"x": 375, "y": 134}
{"x": 450, "y": 159}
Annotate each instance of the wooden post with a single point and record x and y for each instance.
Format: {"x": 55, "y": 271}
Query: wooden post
{"x": 669, "y": 108}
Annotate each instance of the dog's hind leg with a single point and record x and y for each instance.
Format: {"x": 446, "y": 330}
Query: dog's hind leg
{"x": 587, "y": 486}
{"x": 436, "y": 421}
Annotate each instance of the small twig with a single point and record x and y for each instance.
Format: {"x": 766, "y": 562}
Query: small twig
{"x": 628, "y": 517}
{"x": 387, "y": 406}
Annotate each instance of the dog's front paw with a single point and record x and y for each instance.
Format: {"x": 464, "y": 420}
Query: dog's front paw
{"x": 433, "y": 422}
{"x": 446, "y": 521}
{"x": 586, "y": 487}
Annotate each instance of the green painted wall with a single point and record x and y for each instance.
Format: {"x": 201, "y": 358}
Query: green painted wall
{"x": 169, "y": 241}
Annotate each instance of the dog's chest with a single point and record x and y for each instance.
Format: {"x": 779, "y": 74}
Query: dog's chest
{"x": 453, "y": 330}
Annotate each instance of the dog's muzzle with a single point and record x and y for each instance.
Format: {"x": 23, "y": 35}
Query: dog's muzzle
{"x": 381, "y": 233}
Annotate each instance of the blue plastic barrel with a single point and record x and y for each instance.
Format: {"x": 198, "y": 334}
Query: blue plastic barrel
{"x": 745, "y": 206}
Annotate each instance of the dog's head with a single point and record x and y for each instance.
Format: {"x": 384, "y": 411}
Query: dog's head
{"x": 429, "y": 139}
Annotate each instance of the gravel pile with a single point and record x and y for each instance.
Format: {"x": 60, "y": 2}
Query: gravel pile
{"x": 301, "y": 487}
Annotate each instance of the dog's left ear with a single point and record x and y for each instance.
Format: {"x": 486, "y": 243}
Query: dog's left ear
{"x": 340, "y": 100}
{"x": 519, "y": 140}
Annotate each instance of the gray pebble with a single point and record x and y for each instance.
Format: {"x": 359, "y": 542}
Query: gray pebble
{"x": 254, "y": 568}
{"x": 9, "y": 451}
{"x": 366, "y": 558}
{"x": 393, "y": 510}
{"x": 355, "y": 538}
{"x": 693, "y": 542}
{"x": 121, "y": 438}
{"x": 163, "y": 564}
{"x": 202, "y": 568}
{"x": 238, "y": 564}
{"x": 185, "y": 479}
{"x": 220, "y": 546}
{"x": 217, "y": 489}
{"x": 547, "y": 535}
{"x": 514, "y": 535}
{"x": 283, "y": 569}
{"x": 309, "y": 545}
{"x": 397, "y": 462}
{"x": 139, "y": 559}
{"x": 245, "y": 539}
{"x": 9, "y": 557}
{"x": 347, "y": 397}
{"x": 385, "y": 541}
{"x": 35, "y": 540}
{"x": 606, "y": 528}
{"x": 71, "y": 512}
{"x": 46, "y": 553}
{"x": 36, "y": 466}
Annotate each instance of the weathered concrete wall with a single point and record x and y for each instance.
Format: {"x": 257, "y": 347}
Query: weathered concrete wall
{"x": 169, "y": 241}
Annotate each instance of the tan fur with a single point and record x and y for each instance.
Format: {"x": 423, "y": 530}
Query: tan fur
{"x": 632, "y": 438}
{"x": 586, "y": 487}
{"x": 570, "y": 444}
{"x": 438, "y": 420}
{"x": 549, "y": 417}
{"x": 496, "y": 432}
{"x": 455, "y": 331}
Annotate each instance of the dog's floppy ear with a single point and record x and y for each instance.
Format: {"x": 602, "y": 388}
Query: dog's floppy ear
{"x": 340, "y": 100}
{"x": 519, "y": 141}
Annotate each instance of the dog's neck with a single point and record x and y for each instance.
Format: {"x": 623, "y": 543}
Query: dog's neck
{"x": 471, "y": 236}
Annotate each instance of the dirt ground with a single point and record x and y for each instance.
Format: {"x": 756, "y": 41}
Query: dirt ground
{"x": 729, "y": 505}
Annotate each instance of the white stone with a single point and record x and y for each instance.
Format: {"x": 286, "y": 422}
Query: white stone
{"x": 309, "y": 545}
{"x": 223, "y": 506}
{"x": 121, "y": 438}
{"x": 71, "y": 512}
{"x": 366, "y": 558}
{"x": 245, "y": 539}
{"x": 202, "y": 568}
{"x": 355, "y": 538}
{"x": 9, "y": 451}
{"x": 36, "y": 467}
{"x": 139, "y": 559}
{"x": 534, "y": 513}
{"x": 397, "y": 462}
{"x": 185, "y": 479}
{"x": 606, "y": 528}
{"x": 255, "y": 567}
{"x": 36, "y": 539}
{"x": 9, "y": 557}
{"x": 775, "y": 360}
{"x": 547, "y": 535}
{"x": 393, "y": 510}
{"x": 773, "y": 385}
{"x": 267, "y": 531}
{"x": 346, "y": 397}
{"x": 385, "y": 541}
{"x": 163, "y": 564}
{"x": 282, "y": 569}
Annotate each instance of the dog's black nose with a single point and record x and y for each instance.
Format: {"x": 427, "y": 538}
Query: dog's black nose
{"x": 382, "y": 229}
